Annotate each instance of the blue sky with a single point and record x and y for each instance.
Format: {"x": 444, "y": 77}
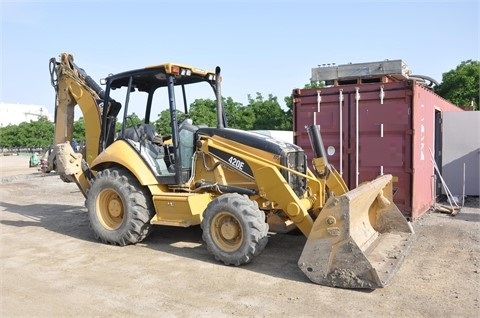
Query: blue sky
{"x": 268, "y": 47}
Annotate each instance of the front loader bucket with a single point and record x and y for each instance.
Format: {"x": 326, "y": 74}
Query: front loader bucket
{"x": 358, "y": 240}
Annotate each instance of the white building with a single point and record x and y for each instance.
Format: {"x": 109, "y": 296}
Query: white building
{"x": 14, "y": 114}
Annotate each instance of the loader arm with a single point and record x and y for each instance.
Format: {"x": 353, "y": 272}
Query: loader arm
{"x": 266, "y": 176}
{"x": 355, "y": 239}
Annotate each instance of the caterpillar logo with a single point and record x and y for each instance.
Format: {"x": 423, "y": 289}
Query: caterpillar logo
{"x": 233, "y": 161}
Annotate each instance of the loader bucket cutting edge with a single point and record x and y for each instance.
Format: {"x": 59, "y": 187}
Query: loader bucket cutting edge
{"x": 359, "y": 239}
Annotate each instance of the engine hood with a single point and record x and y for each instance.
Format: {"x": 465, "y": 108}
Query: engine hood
{"x": 252, "y": 139}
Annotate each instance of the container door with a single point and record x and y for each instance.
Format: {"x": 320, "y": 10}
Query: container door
{"x": 366, "y": 132}
{"x": 380, "y": 138}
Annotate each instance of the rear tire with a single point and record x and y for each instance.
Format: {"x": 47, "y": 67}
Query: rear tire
{"x": 119, "y": 208}
{"x": 234, "y": 229}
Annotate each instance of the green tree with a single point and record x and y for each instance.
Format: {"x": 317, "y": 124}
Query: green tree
{"x": 162, "y": 124}
{"x": 133, "y": 120}
{"x": 79, "y": 129}
{"x": 314, "y": 84}
{"x": 461, "y": 86}
{"x": 42, "y": 131}
{"x": 8, "y": 136}
{"x": 204, "y": 112}
{"x": 37, "y": 133}
{"x": 268, "y": 113}
{"x": 239, "y": 116}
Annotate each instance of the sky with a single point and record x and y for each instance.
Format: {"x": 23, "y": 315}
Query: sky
{"x": 269, "y": 47}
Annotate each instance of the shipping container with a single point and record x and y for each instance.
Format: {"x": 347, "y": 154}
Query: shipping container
{"x": 373, "y": 126}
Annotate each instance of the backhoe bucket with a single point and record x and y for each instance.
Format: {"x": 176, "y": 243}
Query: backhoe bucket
{"x": 358, "y": 240}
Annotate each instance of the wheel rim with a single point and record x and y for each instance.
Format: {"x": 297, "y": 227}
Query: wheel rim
{"x": 110, "y": 210}
{"x": 227, "y": 232}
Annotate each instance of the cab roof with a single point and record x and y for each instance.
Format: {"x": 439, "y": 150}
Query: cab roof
{"x": 151, "y": 77}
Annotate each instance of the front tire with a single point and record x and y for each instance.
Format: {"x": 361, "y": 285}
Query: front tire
{"x": 119, "y": 208}
{"x": 234, "y": 229}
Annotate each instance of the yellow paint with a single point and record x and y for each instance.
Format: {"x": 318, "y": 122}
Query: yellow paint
{"x": 180, "y": 209}
{"x": 120, "y": 152}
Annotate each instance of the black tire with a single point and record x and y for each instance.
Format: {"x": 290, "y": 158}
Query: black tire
{"x": 234, "y": 229}
{"x": 119, "y": 208}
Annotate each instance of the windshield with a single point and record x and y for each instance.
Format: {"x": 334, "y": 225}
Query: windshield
{"x": 148, "y": 98}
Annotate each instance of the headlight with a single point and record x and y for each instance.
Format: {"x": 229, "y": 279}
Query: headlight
{"x": 185, "y": 72}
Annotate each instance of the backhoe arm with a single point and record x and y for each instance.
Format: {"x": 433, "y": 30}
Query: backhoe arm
{"x": 73, "y": 89}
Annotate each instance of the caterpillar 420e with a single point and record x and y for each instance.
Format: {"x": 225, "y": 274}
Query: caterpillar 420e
{"x": 234, "y": 183}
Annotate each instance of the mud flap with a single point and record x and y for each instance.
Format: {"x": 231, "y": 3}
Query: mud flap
{"x": 359, "y": 239}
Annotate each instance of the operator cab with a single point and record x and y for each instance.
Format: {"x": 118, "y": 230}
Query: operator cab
{"x": 170, "y": 158}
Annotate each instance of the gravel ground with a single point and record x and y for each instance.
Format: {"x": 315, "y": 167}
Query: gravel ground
{"x": 51, "y": 266}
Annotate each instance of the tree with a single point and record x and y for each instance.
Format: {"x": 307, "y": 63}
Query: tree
{"x": 41, "y": 132}
{"x": 133, "y": 120}
{"x": 162, "y": 124}
{"x": 204, "y": 112}
{"x": 268, "y": 113}
{"x": 461, "y": 86}
{"x": 37, "y": 133}
{"x": 8, "y": 136}
{"x": 314, "y": 84}
{"x": 79, "y": 129}
{"x": 239, "y": 116}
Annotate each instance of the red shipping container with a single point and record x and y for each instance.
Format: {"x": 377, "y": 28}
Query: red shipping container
{"x": 370, "y": 129}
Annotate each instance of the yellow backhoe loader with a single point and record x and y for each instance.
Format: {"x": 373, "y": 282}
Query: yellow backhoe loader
{"x": 237, "y": 185}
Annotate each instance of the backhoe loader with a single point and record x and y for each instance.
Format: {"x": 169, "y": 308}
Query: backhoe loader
{"x": 239, "y": 186}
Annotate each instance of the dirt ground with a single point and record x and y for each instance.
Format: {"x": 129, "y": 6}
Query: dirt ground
{"x": 51, "y": 266}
